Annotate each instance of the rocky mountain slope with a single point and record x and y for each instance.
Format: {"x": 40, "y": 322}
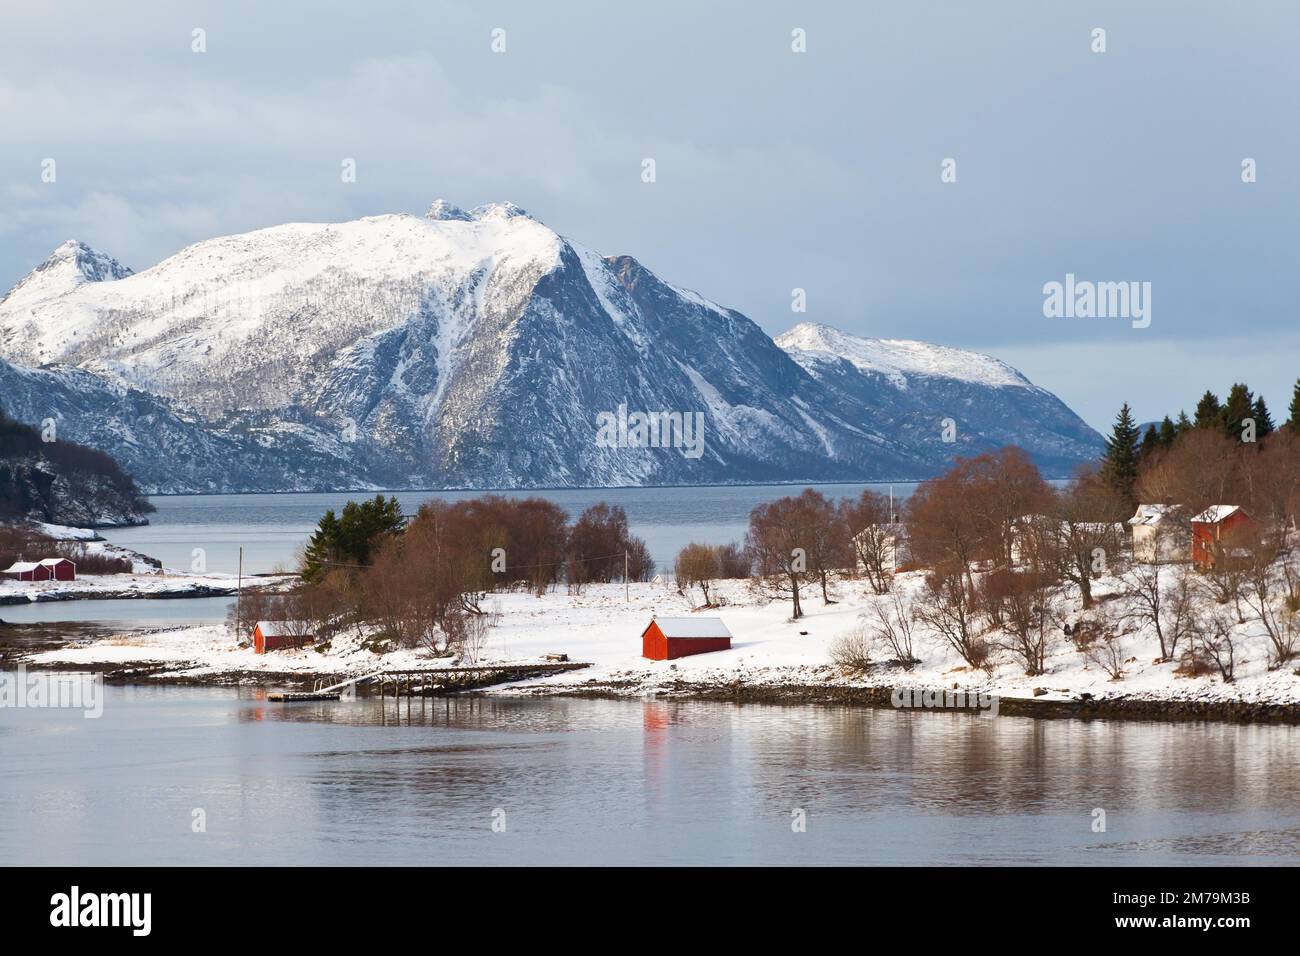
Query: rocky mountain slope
{"x": 472, "y": 349}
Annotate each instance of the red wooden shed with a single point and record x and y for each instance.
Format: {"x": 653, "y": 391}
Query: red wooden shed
{"x": 667, "y": 638}
{"x": 61, "y": 569}
{"x": 28, "y": 571}
{"x": 278, "y": 635}
{"x": 1217, "y": 532}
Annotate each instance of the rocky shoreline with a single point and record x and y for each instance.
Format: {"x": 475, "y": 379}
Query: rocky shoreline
{"x": 1082, "y": 707}
{"x": 190, "y": 591}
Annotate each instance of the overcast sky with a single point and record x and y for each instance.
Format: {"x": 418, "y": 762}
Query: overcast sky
{"x": 775, "y": 170}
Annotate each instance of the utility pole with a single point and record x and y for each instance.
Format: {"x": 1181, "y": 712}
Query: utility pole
{"x": 239, "y": 595}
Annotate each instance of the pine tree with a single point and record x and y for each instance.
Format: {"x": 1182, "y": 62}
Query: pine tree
{"x": 1183, "y": 424}
{"x": 1238, "y": 407}
{"x": 1209, "y": 413}
{"x": 1263, "y": 420}
{"x": 350, "y": 539}
{"x": 322, "y": 549}
{"x": 1120, "y": 464}
{"x": 1293, "y": 413}
{"x": 1150, "y": 443}
{"x": 1168, "y": 433}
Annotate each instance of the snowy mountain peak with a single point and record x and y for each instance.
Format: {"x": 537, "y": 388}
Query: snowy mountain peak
{"x": 444, "y": 211}
{"x": 897, "y": 359}
{"x": 68, "y": 266}
{"x": 91, "y": 264}
{"x": 498, "y": 210}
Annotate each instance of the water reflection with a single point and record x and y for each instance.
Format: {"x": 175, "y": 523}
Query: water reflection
{"x": 629, "y": 782}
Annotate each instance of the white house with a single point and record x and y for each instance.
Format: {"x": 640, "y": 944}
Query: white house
{"x": 889, "y": 538}
{"x": 1158, "y": 536}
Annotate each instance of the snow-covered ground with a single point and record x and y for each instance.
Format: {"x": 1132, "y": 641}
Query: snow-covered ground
{"x": 602, "y": 628}
{"x": 146, "y": 579}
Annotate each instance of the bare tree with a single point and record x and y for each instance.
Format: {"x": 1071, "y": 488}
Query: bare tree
{"x": 829, "y": 548}
{"x": 1027, "y": 618}
{"x": 698, "y": 565}
{"x": 873, "y": 535}
{"x": 1088, "y": 539}
{"x": 1220, "y": 649}
{"x": 778, "y": 538}
{"x": 1168, "y": 615}
{"x": 948, "y": 607}
{"x": 894, "y": 629}
{"x": 1264, "y": 591}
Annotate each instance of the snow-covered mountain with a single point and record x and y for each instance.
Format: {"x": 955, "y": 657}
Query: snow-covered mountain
{"x": 473, "y": 349}
{"x": 909, "y": 388}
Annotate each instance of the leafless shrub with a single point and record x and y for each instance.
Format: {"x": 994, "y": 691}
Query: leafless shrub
{"x": 1107, "y": 653}
{"x": 851, "y": 652}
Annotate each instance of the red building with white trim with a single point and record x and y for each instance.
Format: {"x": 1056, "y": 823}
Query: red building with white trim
{"x": 1217, "y": 532}
{"x": 28, "y": 571}
{"x": 279, "y": 635}
{"x": 668, "y": 638}
{"x": 61, "y": 569}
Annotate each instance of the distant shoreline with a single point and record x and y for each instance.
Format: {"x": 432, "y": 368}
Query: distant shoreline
{"x": 531, "y": 489}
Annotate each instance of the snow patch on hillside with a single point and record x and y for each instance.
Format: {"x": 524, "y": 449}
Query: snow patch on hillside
{"x": 897, "y": 359}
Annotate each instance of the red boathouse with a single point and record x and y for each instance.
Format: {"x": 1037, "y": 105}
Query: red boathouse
{"x": 28, "y": 571}
{"x": 61, "y": 569}
{"x": 668, "y": 638}
{"x": 278, "y": 635}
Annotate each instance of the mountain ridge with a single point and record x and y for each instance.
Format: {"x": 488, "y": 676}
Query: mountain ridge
{"x": 473, "y": 349}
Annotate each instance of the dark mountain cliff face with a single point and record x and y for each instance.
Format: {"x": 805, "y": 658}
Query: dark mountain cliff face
{"x": 62, "y": 482}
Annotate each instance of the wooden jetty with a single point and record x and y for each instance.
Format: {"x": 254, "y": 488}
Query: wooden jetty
{"x": 286, "y": 695}
{"x": 428, "y": 680}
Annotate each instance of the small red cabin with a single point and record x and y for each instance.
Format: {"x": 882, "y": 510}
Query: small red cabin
{"x": 61, "y": 569}
{"x": 668, "y": 638}
{"x": 28, "y": 571}
{"x": 278, "y": 635}
{"x": 1217, "y": 532}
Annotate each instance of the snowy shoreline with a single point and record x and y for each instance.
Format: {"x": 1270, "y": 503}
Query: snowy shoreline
{"x": 772, "y": 659}
{"x": 147, "y": 579}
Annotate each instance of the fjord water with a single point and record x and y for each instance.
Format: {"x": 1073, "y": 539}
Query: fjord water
{"x": 655, "y": 782}
{"x": 272, "y": 528}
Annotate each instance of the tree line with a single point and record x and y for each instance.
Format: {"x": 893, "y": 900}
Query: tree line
{"x": 422, "y": 580}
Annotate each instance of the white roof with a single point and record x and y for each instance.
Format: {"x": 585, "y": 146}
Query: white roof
{"x": 692, "y": 627}
{"x": 19, "y": 567}
{"x": 284, "y": 628}
{"x": 1216, "y": 513}
{"x": 1151, "y": 514}
{"x": 51, "y": 562}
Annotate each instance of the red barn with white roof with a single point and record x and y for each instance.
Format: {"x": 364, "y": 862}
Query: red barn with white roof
{"x": 61, "y": 569}
{"x": 28, "y": 571}
{"x": 1218, "y": 530}
{"x": 668, "y": 638}
{"x": 277, "y": 635}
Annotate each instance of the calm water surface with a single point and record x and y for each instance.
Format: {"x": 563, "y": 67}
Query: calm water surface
{"x": 153, "y": 613}
{"x": 272, "y": 528}
{"x": 629, "y": 782}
